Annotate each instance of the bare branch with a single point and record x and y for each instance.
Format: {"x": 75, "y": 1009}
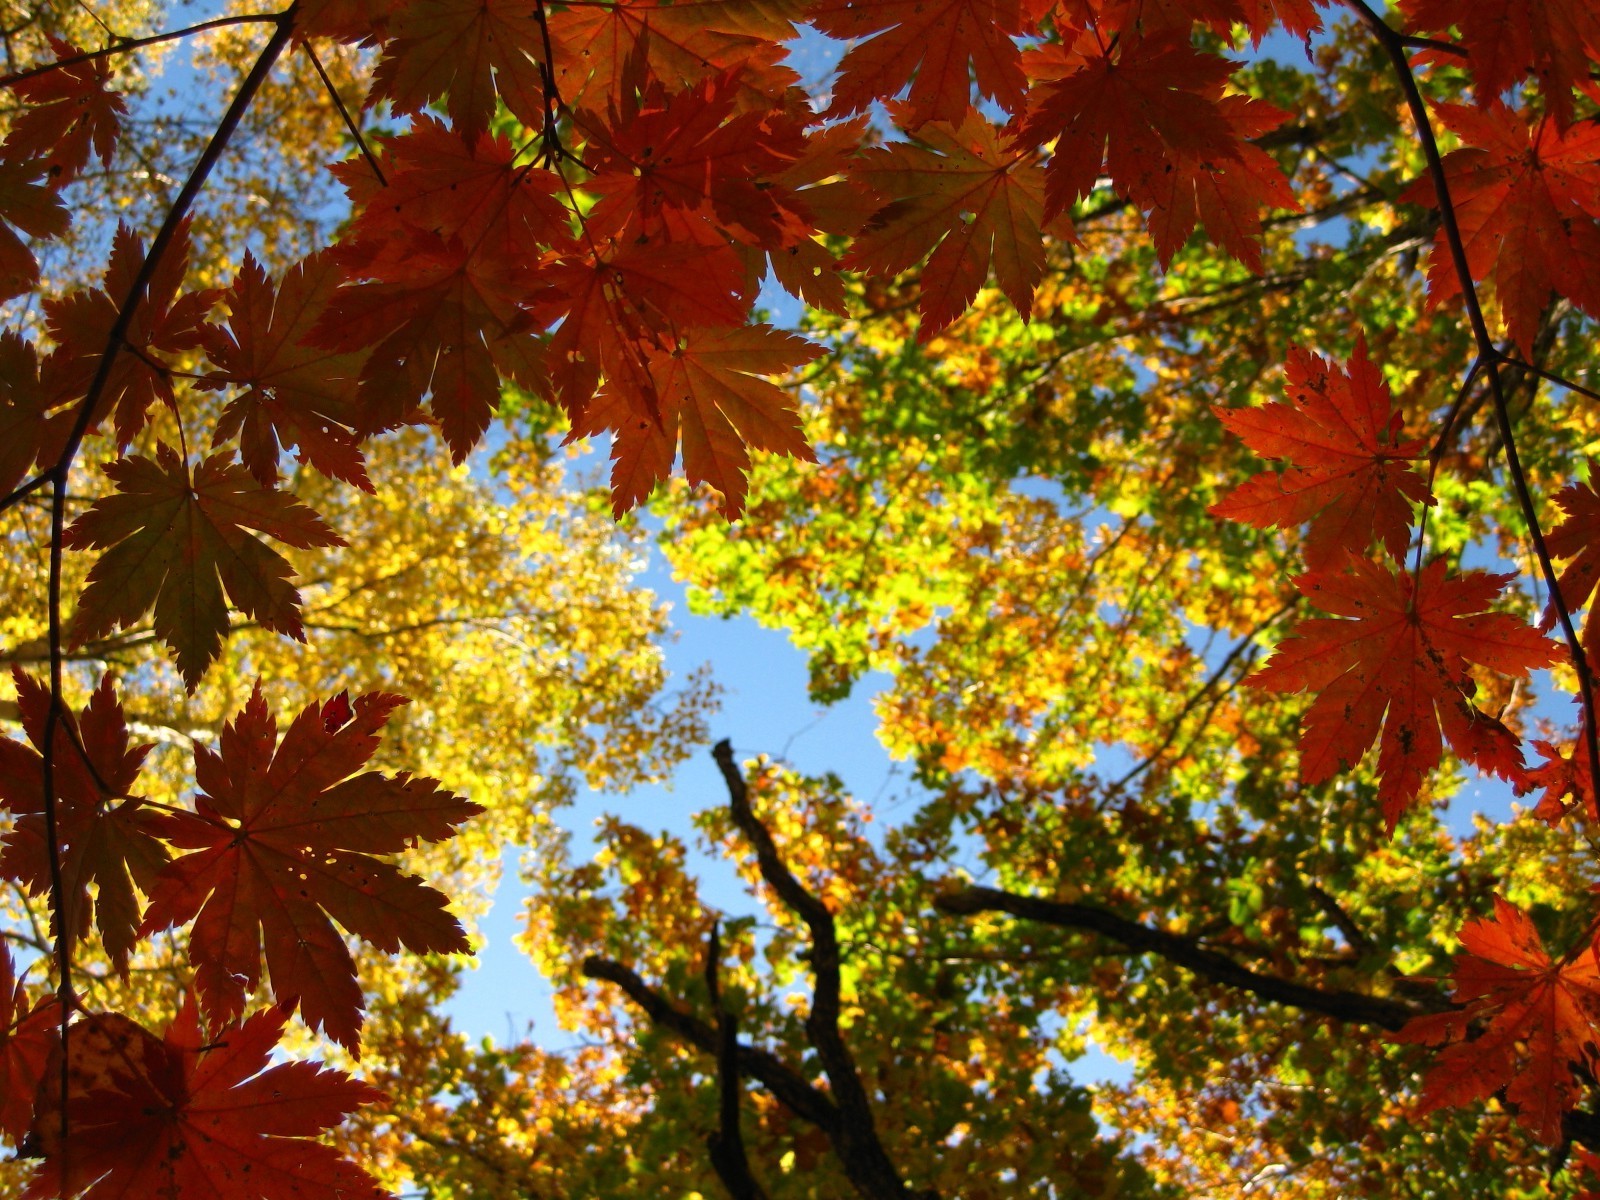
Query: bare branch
{"x": 1208, "y": 964}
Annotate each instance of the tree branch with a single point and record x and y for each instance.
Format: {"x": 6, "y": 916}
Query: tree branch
{"x": 1208, "y": 964}
{"x": 861, "y": 1153}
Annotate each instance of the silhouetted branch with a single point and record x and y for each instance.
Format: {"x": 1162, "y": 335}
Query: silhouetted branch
{"x": 771, "y": 1072}
{"x": 862, "y": 1154}
{"x": 1208, "y": 964}
{"x": 726, "y": 1143}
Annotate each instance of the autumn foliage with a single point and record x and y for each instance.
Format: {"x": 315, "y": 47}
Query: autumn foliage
{"x": 572, "y": 207}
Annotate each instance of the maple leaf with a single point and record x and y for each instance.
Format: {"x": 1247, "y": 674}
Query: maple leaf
{"x": 710, "y": 390}
{"x": 1578, "y": 538}
{"x": 37, "y": 211}
{"x": 174, "y": 542}
{"x": 164, "y": 323}
{"x": 1226, "y": 194}
{"x": 1564, "y": 772}
{"x": 295, "y": 394}
{"x": 1540, "y": 1021}
{"x": 605, "y": 53}
{"x": 624, "y": 297}
{"x": 104, "y": 836}
{"x": 959, "y": 194}
{"x": 1400, "y": 662}
{"x": 24, "y": 401}
{"x": 445, "y": 280}
{"x": 1137, "y": 109}
{"x": 191, "y": 1115}
{"x": 1350, "y": 475}
{"x": 469, "y": 51}
{"x": 72, "y": 114}
{"x": 283, "y": 841}
{"x": 930, "y": 45}
{"x": 26, "y": 1034}
{"x": 1527, "y": 200}
{"x": 1505, "y": 39}
{"x": 694, "y": 152}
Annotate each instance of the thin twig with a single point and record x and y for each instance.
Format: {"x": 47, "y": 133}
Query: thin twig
{"x": 126, "y": 44}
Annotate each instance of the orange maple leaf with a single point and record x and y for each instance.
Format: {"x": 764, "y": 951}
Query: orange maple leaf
{"x": 193, "y": 1115}
{"x": 711, "y": 392}
{"x": 1538, "y": 1017}
{"x": 960, "y": 194}
{"x": 105, "y": 837}
{"x": 1564, "y": 772}
{"x": 1350, "y": 475}
{"x": 1400, "y": 663}
{"x": 175, "y": 541}
{"x": 283, "y": 846}
{"x": 1527, "y": 200}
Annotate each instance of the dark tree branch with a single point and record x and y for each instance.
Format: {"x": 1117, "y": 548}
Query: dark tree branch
{"x": 726, "y": 1143}
{"x": 861, "y": 1153}
{"x": 1208, "y": 964}
{"x": 790, "y": 1087}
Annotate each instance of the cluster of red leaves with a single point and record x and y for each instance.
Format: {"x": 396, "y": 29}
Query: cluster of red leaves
{"x": 282, "y": 843}
{"x": 1524, "y": 1023}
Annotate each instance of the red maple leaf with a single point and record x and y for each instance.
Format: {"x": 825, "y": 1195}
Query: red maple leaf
{"x": 934, "y": 46}
{"x": 1565, "y": 772}
{"x": 1527, "y": 200}
{"x": 24, "y": 401}
{"x": 27, "y": 1031}
{"x": 294, "y": 394}
{"x": 283, "y": 846}
{"x": 1350, "y": 473}
{"x": 445, "y": 281}
{"x": 174, "y": 541}
{"x": 1539, "y": 1022}
{"x": 1400, "y": 662}
{"x": 36, "y": 210}
{"x": 696, "y": 153}
{"x": 72, "y": 114}
{"x": 166, "y": 322}
{"x": 193, "y": 1115}
{"x": 104, "y": 836}
{"x": 1505, "y": 39}
{"x": 1136, "y": 111}
{"x": 958, "y": 193}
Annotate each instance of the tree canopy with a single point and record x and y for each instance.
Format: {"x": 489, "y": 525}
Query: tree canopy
{"x": 1183, "y": 411}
